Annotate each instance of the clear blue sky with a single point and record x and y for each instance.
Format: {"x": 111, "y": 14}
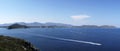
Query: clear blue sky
{"x": 76, "y": 12}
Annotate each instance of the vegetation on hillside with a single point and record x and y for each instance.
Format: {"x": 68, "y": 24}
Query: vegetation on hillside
{"x": 15, "y": 44}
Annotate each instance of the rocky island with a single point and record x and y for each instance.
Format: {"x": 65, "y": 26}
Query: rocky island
{"x": 16, "y": 25}
{"x": 15, "y": 44}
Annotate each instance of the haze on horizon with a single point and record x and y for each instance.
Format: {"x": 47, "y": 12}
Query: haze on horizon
{"x": 76, "y": 12}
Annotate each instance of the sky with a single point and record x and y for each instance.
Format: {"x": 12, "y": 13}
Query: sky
{"x": 76, "y": 12}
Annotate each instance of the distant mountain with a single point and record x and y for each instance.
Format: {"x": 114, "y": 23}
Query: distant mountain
{"x": 53, "y": 25}
{"x": 107, "y": 26}
{"x": 5, "y": 24}
{"x": 57, "y": 24}
{"x": 31, "y": 24}
{"x": 95, "y": 26}
{"x": 38, "y": 24}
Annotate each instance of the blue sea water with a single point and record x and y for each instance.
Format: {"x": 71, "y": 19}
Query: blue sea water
{"x": 68, "y": 39}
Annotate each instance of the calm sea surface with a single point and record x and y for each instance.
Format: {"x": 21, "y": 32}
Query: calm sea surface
{"x": 68, "y": 39}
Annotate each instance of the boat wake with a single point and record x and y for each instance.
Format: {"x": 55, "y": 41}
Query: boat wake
{"x": 70, "y": 40}
{"x": 64, "y": 39}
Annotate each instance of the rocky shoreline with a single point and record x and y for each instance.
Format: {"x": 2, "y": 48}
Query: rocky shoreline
{"x": 14, "y": 44}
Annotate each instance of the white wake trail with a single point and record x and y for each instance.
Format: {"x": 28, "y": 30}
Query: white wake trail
{"x": 71, "y": 40}
{"x": 63, "y": 39}
{"x": 75, "y": 32}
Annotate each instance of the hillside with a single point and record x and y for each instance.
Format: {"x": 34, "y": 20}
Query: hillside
{"x": 14, "y": 44}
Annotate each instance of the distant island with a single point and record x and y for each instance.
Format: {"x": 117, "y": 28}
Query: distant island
{"x": 15, "y": 44}
{"x": 95, "y": 26}
{"x": 16, "y": 25}
{"x": 49, "y": 25}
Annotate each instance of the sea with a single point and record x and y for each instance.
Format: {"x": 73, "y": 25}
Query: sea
{"x": 68, "y": 39}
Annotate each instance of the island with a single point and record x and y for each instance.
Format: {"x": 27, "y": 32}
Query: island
{"x": 95, "y": 26}
{"x": 14, "y": 44}
{"x": 16, "y": 25}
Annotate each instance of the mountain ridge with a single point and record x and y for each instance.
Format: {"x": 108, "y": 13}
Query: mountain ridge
{"x": 38, "y": 24}
{"x": 59, "y": 25}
